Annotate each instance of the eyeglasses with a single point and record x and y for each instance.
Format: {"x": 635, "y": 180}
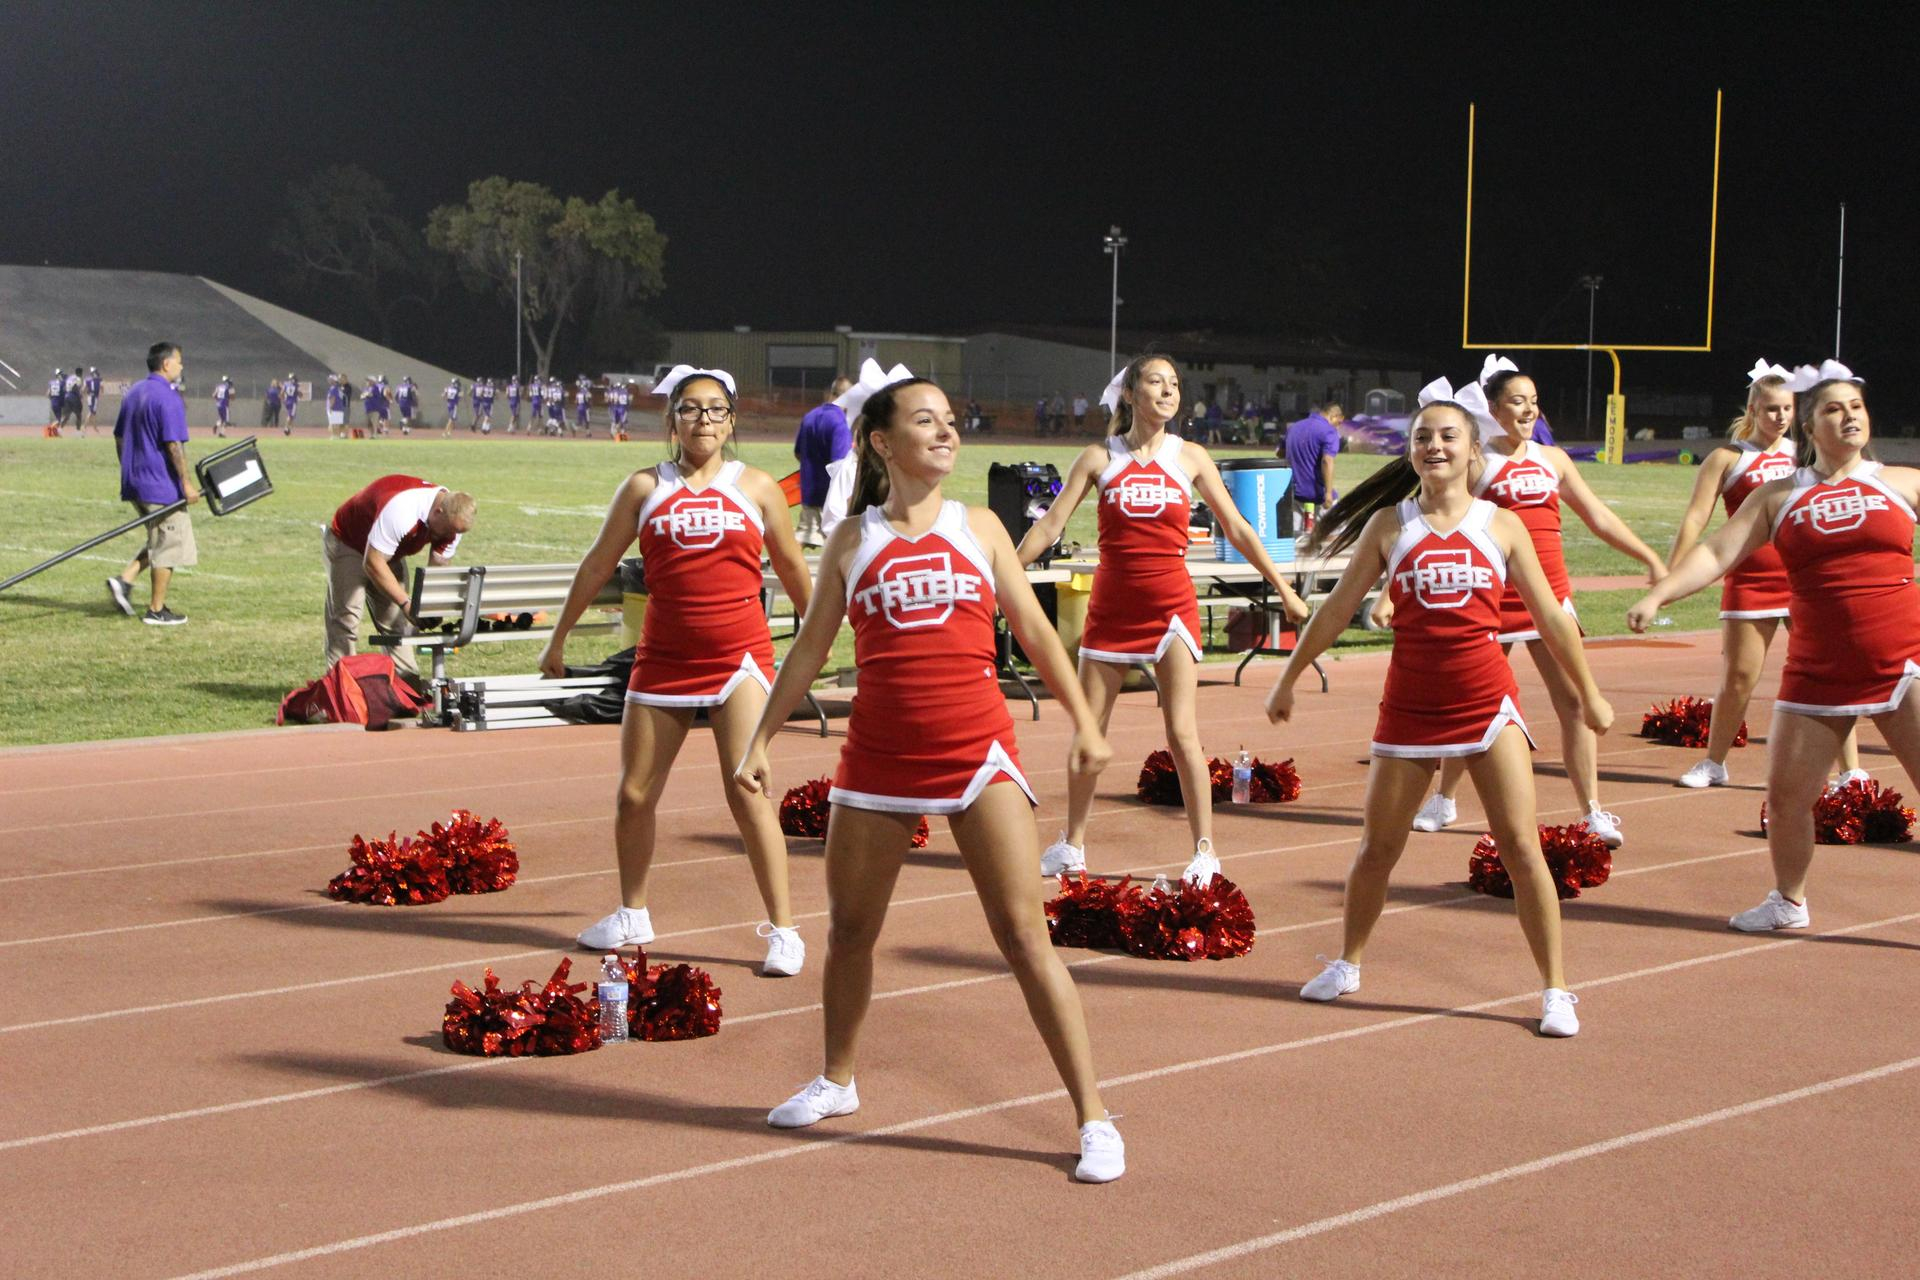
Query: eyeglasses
{"x": 691, "y": 412}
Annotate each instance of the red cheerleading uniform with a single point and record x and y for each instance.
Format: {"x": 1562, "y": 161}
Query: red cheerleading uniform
{"x": 1527, "y": 483}
{"x": 1757, "y": 586}
{"x": 706, "y": 628}
{"x": 1854, "y": 644}
{"x": 929, "y": 728}
{"x": 1450, "y": 690}
{"x": 1143, "y": 596}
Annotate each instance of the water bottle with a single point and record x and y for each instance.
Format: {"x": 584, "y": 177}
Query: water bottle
{"x": 1242, "y": 777}
{"x": 613, "y": 1001}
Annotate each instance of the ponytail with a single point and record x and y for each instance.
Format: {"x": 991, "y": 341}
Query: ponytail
{"x": 1121, "y": 421}
{"x": 870, "y": 482}
{"x": 1744, "y": 427}
{"x": 1339, "y": 527}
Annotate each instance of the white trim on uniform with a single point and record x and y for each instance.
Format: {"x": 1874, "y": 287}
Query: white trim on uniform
{"x": 1509, "y": 714}
{"x": 1900, "y": 687}
{"x": 1518, "y": 637}
{"x": 1804, "y": 479}
{"x": 749, "y": 670}
{"x": 1176, "y": 628}
{"x": 1751, "y": 615}
{"x": 998, "y": 761}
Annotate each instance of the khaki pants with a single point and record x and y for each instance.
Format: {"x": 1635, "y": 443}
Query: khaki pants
{"x": 809, "y": 530}
{"x": 170, "y": 543}
{"x": 349, "y": 594}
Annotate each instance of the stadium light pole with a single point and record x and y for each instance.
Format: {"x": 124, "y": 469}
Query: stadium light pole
{"x": 1115, "y": 242}
{"x": 1840, "y": 293}
{"x": 1592, "y": 285}
{"x": 519, "y": 316}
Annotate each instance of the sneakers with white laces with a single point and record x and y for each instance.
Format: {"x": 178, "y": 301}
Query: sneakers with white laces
{"x": 1777, "y": 912}
{"x": 1204, "y": 867}
{"x": 786, "y": 953}
{"x": 816, "y": 1101}
{"x": 1338, "y": 979}
{"x": 627, "y": 927}
{"x": 1704, "y": 774}
{"x": 1556, "y": 1013}
{"x": 1438, "y": 812}
{"x": 1061, "y": 857}
{"x": 1607, "y": 827}
{"x": 1103, "y": 1156}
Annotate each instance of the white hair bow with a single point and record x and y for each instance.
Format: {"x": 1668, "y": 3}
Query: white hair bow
{"x": 681, "y": 372}
{"x": 1496, "y": 364}
{"x": 1471, "y": 397}
{"x": 1806, "y": 377}
{"x": 872, "y": 379}
{"x": 1110, "y": 398}
{"x": 1761, "y": 369}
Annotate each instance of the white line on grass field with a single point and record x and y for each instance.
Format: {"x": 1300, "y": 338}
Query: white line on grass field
{"x": 586, "y": 1194}
{"x": 1382, "y": 1208}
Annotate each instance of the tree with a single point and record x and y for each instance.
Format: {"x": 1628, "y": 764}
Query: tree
{"x": 575, "y": 255}
{"x": 342, "y": 234}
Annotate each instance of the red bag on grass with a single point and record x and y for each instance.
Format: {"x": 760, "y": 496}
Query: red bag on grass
{"x": 360, "y": 688}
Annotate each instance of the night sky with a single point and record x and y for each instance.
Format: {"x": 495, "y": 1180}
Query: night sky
{"x": 1275, "y": 171}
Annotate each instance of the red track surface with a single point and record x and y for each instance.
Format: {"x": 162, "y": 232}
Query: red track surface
{"x": 210, "y": 1068}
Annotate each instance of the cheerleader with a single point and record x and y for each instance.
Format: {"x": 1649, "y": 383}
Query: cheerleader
{"x": 1844, "y": 529}
{"x": 702, "y": 520}
{"x": 1449, "y": 558}
{"x": 1754, "y": 594}
{"x": 1143, "y": 610}
{"x": 921, "y": 577}
{"x": 1532, "y": 480}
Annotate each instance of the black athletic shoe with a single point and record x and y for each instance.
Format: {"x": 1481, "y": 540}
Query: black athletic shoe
{"x": 163, "y": 618}
{"x": 122, "y": 598}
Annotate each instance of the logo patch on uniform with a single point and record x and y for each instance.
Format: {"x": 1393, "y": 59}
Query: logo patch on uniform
{"x": 1142, "y": 496}
{"x": 1766, "y": 470}
{"x": 918, "y": 591}
{"x": 1840, "y": 512}
{"x": 1444, "y": 579}
{"x": 1527, "y": 486}
{"x": 698, "y": 523}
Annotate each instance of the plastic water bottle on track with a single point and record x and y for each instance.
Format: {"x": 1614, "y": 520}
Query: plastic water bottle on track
{"x": 613, "y": 1001}
{"x": 1242, "y": 777}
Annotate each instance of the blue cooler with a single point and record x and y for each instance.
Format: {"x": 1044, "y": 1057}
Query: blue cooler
{"x": 1262, "y": 491}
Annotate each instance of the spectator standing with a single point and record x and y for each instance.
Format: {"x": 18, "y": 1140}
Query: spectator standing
{"x": 823, "y": 439}
{"x": 1309, "y": 449}
{"x": 1040, "y": 416}
{"x": 1057, "y": 414}
{"x": 1079, "y": 412}
{"x": 151, "y": 437}
{"x": 366, "y": 547}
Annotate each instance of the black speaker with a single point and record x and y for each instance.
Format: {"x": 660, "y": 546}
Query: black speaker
{"x": 1020, "y": 493}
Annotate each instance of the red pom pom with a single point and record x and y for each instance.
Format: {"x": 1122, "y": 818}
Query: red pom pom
{"x": 804, "y": 811}
{"x": 1859, "y": 813}
{"x": 670, "y": 1001}
{"x": 1684, "y": 722}
{"x": 1275, "y": 783}
{"x": 536, "y": 1020}
{"x": 390, "y": 872}
{"x": 1188, "y": 921}
{"x": 1086, "y": 912}
{"x": 478, "y": 856}
{"x": 1576, "y": 858}
{"x": 1159, "y": 781}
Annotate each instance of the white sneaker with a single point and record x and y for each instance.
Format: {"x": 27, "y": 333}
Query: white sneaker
{"x": 786, "y": 953}
{"x": 1556, "y": 1013}
{"x": 1204, "y": 867}
{"x": 1437, "y": 812}
{"x": 1851, "y": 775}
{"x": 1061, "y": 857}
{"x": 1338, "y": 979}
{"x": 1777, "y": 912}
{"x": 1607, "y": 827}
{"x": 627, "y": 927}
{"x": 1103, "y": 1156}
{"x": 819, "y": 1099}
{"x": 1704, "y": 774}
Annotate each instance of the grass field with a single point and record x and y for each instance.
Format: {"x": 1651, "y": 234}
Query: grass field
{"x": 73, "y": 668}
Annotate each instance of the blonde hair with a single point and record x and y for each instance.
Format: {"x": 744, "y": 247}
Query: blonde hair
{"x": 1747, "y": 426}
{"x": 460, "y": 508}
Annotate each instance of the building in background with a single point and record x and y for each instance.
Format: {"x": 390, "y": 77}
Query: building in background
{"x": 800, "y": 363}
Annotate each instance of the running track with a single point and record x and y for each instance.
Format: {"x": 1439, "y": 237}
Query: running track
{"x": 211, "y": 1069}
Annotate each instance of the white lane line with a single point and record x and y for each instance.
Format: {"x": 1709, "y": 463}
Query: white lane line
{"x": 1382, "y": 1208}
{"x": 803, "y": 1147}
{"x": 952, "y": 984}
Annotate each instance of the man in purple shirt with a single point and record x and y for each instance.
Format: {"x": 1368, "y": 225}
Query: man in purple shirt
{"x": 151, "y": 435}
{"x": 1309, "y": 449}
{"x": 824, "y": 437}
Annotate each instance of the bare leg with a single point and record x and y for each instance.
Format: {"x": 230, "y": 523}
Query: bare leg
{"x": 1579, "y": 745}
{"x": 1743, "y": 646}
{"x": 1800, "y": 750}
{"x": 1179, "y": 675}
{"x": 733, "y": 725}
{"x": 1901, "y": 728}
{"x": 650, "y": 738}
{"x": 1101, "y": 681}
{"x": 997, "y": 841}
{"x": 157, "y": 596}
{"x": 1394, "y": 790}
{"x": 1503, "y": 775}
{"x": 864, "y": 852}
